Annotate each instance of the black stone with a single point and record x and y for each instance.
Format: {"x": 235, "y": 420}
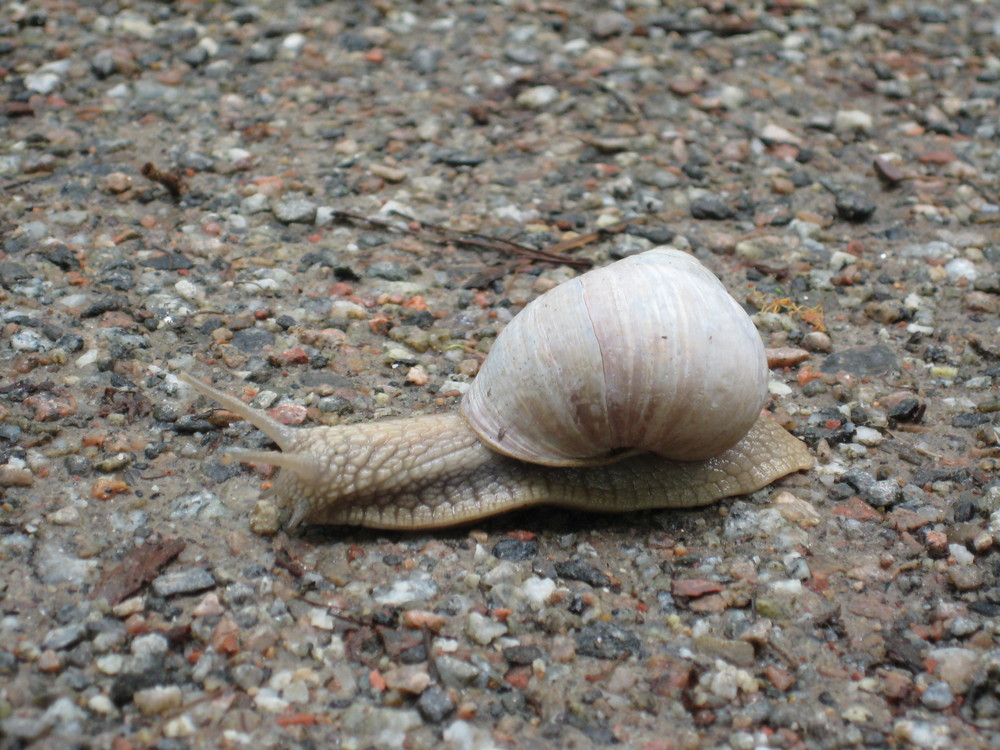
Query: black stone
{"x": 71, "y": 342}
{"x": 657, "y": 235}
{"x": 522, "y": 654}
{"x": 972, "y": 419}
{"x": 577, "y": 570}
{"x": 711, "y": 207}
{"x": 189, "y": 423}
{"x": 515, "y": 550}
{"x": 458, "y": 159}
{"x": 61, "y": 257}
{"x": 854, "y": 206}
{"x": 907, "y": 410}
{"x": 603, "y": 640}
{"x": 965, "y": 510}
{"x": 860, "y": 480}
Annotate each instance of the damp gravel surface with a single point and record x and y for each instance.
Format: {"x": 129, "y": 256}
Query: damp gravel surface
{"x": 331, "y": 210}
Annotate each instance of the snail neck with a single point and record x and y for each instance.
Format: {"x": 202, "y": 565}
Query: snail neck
{"x": 382, "y": 468}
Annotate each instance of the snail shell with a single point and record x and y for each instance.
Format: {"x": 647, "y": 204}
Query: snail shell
{"x": 635, "y": 386}
{"x": 649, "y": 353}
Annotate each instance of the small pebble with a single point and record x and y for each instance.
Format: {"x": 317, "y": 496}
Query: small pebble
{"x": 937, "y": 696}
{"x": 854, "y": 206}
{"x": 159, "y": 699}
{"x": 482, "y": 629}
{"x": 435, "y": 705}
{"x": 850, "y": 120}
{"x": 294, "y": 210}
{"x": 182, "y": 582}
{"x": 538, "y": 97}
{"x": 711, "y": 207}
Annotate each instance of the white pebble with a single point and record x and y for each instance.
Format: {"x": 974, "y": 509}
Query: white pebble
{"x": 852, "y": 450}
{"x": 267, "y": 700}
{"x": 158, "y": 699}
{"x": 41, "y": 83}
{"x": 110, "y": 664}
{"x": 868, "y": 436}
{"x": 847, "y": 120}
{"x": 961, "y": 554}
{"x": 182, "y": 726}
{"x": 538, "y": 591}
{"x": 923, "y": 734}
{"x": 189, "y": 291}
{"x": 418, "y": 588}
{"x": 101, "y": 704}
{"x": 777, "y": 388}
{"x": 788, "y": 586}
{"x": 961, "y": 268}
{"x": 482, "y": 629}
{"x": 538, "y": 97}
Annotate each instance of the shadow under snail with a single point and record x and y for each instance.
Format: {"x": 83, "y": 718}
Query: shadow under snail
{"x": 635, "y": 386}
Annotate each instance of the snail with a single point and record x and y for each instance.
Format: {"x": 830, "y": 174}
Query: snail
{"x": 638, "y": 385}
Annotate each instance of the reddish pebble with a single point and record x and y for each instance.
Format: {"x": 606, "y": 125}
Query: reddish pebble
{"x": 785, "y": 356}
{"x": 887, "y": 171}
{"x": 225, "y": 637}
{"x": 49, "y": 661}
{"x": 294, "y": 356}
{"x": 937, "y": 545}
{"x": 418, "y": 619}
{"x": 376, "y": 680}
{"x": 106, "y": 488}
{"x": 694, "y": 587}
{"x": 518, "y": 676}
{"x": 782, "y": 679}
{"x": 941, "y": 156}
{"x": 289, "y": 413}
{"x": 857, "y": 509}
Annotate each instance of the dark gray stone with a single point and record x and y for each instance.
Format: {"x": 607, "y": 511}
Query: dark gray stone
{"x": 854, "y": 206}
{"x": 252, "y": 339}
{"x": 604, "y": 640}
{"x": 711, "y": 207}
{"x": 577, "y": 570}
{"x": 515, "y": 550}
{"x": 183, "y": 582}
{"x": 434, "y": 704}
{"x": 863, "y": 360}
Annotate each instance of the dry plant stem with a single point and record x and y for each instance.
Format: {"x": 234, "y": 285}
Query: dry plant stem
{"x": 432, "y": 471}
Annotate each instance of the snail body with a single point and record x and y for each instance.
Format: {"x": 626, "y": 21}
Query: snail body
{"x": 638, "y": 385}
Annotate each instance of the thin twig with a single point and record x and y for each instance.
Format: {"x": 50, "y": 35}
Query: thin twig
{"x": 468, "y": 239}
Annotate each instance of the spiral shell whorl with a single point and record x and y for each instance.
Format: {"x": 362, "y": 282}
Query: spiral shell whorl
{"x": 649, "y": 353}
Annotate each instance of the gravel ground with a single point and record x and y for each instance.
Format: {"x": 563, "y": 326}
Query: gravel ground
{"x": 334, "y": 222}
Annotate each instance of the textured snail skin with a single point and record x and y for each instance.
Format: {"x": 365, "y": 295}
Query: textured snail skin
{"x": 433, "y": 471}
